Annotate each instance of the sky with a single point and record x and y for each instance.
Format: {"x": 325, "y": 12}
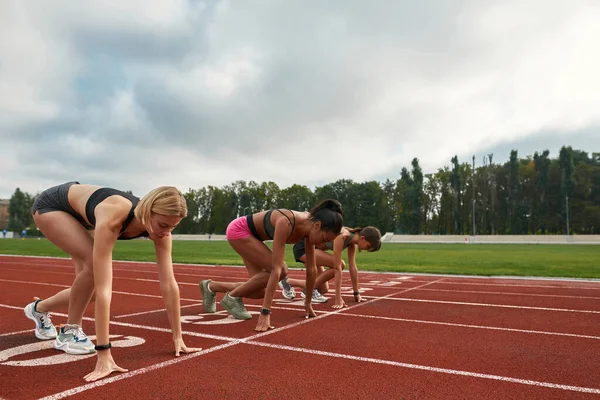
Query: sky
{"x": 141, "y": 93}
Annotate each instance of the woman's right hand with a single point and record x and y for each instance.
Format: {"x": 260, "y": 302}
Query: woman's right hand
{"x": 309, "y": 311}
{"x": 105, "y": 365}
{"x": 358, "y": 298}
{"x": 339, "y": 303}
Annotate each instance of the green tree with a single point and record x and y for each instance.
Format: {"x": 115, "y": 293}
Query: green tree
{"x": 416, "y": 199}
{"x": 19, "y": 211}
{"x": 296, "y": 197}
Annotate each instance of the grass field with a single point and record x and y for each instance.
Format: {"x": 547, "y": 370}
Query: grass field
{"x": 579, "y": 261}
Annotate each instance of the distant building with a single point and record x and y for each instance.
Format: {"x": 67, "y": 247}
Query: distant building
{"x": 4, "y": 214}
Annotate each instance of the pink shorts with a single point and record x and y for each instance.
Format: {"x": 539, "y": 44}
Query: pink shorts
{"x": 238, "y": 229}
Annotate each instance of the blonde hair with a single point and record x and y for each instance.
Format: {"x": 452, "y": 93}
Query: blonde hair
{"x": 164, "y": 200}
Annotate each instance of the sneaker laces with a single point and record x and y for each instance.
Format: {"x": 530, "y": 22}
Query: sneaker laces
{"x": 238, "y": 301}
{"x": 316, "y": 294}
{"x": 46, "y": 320}
{"x": 77, "y": 333}
{"x": 286, "y": 285}
{"x": 80, "y": 336}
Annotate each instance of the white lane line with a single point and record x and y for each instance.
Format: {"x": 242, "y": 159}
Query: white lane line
{"x": 462, "y": 303}
{"x": 430, "y": 368}
{"x": 114, "y": 291}
{"x": 513, "y": 294}
{"x": 154, "y": 311}
{"x": 597, "y": 287}
{"x": 494, "y": 328}
{"x": 17, "y": 333}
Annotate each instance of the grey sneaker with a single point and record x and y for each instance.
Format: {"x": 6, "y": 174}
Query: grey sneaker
{"x": 316, "y": 297}
{"x": 288, "y": 290}
{"x": 72, "y": 340}
{"x": 235, "y": 307}
{"x": 44, "y": 330}
{"x": 209, "y": 299}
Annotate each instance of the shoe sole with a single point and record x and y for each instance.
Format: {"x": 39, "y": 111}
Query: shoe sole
{"x": 203, "y": 292}
{"x": 31, "y": 317}
{"x": 65, "y": 347}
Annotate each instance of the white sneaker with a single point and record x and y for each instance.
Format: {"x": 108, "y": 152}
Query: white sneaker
{"x": 44, "y": 330}
{"x": 316, "y": 297}
{"x": 288, "y": 290}
{"x": 72, "y": 340}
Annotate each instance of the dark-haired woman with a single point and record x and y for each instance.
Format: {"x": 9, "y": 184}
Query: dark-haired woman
{"x": 363, "y": 239}
{"x": 266, "y": 267}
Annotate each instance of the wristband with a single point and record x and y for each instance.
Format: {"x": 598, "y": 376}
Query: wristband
{"x": 265, "y": 311}
{"x": 357, "y": 293}
{"x": 103, "y": 347}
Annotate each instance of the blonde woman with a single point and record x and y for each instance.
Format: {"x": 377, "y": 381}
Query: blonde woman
{"x": 64, "y": 214}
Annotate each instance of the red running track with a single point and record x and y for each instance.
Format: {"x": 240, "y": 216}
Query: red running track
{"x": 417, "y": 336}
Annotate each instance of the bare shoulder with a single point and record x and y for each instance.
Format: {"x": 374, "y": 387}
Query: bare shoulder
{"x": 344, "y": 234}
{"x": 112, "y": 211}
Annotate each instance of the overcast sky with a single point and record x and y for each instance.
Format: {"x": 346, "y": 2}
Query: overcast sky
{"x": 140, "y": 93}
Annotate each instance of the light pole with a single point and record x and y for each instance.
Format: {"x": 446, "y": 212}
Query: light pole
{"x": 473, "y": 182}
{"x": 243, "y": 211}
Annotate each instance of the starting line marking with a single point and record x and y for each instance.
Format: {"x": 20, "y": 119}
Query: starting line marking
{"x": 144, "y": 370}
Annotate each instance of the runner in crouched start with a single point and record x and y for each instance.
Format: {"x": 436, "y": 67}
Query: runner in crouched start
{"x": 266, "y": 267}
{"x": 363, "y": 239}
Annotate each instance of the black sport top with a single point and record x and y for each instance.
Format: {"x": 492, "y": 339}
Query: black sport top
{"x": 99, "y": 196}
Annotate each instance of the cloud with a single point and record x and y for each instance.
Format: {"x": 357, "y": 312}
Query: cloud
{"x": 208, "y": 92}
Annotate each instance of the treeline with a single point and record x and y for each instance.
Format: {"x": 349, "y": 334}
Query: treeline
{"x": 531, "y": 195}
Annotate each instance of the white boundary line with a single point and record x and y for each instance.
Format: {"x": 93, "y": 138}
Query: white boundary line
{"x": 361, "y": 271}
{"x": 244, "y": 277}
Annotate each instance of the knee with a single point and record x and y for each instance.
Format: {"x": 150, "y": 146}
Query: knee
{"x": 85, "y": 275}
{"x": 343, "y": 264}
{"x": 83, "y": 265}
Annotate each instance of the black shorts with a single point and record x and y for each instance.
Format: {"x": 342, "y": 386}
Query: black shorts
{"x": 56, "y": 198}
{"x": 299, "y": 251}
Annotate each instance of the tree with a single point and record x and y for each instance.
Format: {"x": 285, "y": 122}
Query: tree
{"x": 296, "y": 197}
{"x": 566, "y": 178}
{"x": 542, "y": 168}
{"x": 19, "y": 211}
{"x": 416, "y": 198}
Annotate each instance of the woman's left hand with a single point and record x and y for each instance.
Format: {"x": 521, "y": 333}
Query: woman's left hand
{"x": 180, "y": 347}
{"x": 339, "y": 303}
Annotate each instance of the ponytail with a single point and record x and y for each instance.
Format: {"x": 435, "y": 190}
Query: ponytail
{"x": 329, "y": 213}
